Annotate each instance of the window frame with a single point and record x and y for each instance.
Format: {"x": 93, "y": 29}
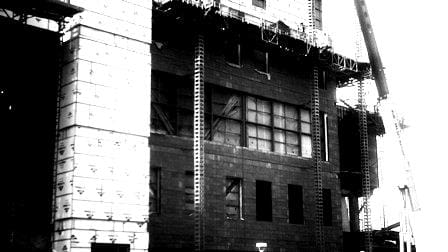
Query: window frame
{"x": 239, "y": 200}
{"x": 211, "y": 116}
{"x": 157, "y": 195}
{"x": 189, "y": 175}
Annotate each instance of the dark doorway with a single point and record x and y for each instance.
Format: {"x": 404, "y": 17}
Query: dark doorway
{"x": 103, "y": 247}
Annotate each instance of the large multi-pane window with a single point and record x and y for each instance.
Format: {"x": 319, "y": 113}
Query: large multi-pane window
{"x": 234, "y": 118}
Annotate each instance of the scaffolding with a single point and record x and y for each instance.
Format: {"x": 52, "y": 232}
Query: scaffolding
{"x": 198, "y": 148}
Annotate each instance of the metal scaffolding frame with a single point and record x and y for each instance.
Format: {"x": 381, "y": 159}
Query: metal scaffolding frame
{"x": 198, "y": 149}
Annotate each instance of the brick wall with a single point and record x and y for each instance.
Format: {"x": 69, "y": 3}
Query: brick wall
{"x": 174, "y": 155}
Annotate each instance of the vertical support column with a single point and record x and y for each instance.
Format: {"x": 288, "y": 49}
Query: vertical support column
{"x": 103, "y": 155}
{"x": 365, "y": 169}
{"x": 315, "y": 121}
{"x": 199, "y": 144}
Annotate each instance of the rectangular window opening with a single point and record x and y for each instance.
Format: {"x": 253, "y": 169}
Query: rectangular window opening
{"x": 154, "y": 190}
{"x": 233, "y": 54}
{"x": 261, "y": 62}
{"x": 328, "y": 210}
{"x": 234, "y": 198}
{"x": 259, "y": 3}
{"x": 189, "y": 193}
{"x": 226, "y": 116}
{"x": 295, "y": 204}
{"x": 322, "y": 79}
{"x": 263, "y": 201}
{"x": 305, "y": 130}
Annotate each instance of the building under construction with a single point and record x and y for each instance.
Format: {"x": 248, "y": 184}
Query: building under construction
{"x": 136, "y": 125}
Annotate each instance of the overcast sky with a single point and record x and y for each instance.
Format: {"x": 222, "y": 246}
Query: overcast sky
{"x": 412, "y": 41}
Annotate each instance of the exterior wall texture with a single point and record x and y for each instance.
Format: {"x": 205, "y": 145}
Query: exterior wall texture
{"x": 104, "y": 128}
{"x": 172, "y": 228}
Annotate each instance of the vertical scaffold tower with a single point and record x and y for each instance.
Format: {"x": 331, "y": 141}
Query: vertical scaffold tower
{"x": 315, "y": 121}
{"x": 365, "y": 169}
{"x": 198, "y": 149}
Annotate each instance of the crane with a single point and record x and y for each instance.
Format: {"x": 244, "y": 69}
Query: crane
{"x": 407, "y": 189}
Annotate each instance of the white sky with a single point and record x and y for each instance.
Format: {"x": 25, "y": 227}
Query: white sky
{"x": 411, "y": 39}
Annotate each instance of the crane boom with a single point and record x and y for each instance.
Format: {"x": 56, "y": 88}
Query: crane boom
{"x": 372, "y": 49}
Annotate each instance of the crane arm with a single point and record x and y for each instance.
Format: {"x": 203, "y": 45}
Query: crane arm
{"x": 372, "y": 49}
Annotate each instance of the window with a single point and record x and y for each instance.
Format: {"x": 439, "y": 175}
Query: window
{"x": 103, "y": 247}
{"x": 324, "y": 136}
{"x": 259, "y": 133}
{"x": 226, "y": 117}
{"x": 234, "y": 198}
{"x": 234, "y": 118}
{"x": 189, "y": 193}
{"x": 328, "y": 210}
{"x": 185, "y": 110}
{"x": 295, "y": 204}
{"x": 261, "y": 61}
{"x": 163, "y": 104}
{"x": 172, "y": 105}
{"x": 259, "y": 3}
{"x": 263, "y": 201}
{"x": 322, "y": 80}
{"x": 285, "y": 129}
{"x": 154, "y": 190}
{"x": 305, "y": 130}
{"x": 233, "y": 53}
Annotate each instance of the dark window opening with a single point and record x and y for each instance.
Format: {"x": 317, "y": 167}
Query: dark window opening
{"x": 233, "y": 53}
{"x": 261, "y": 61}
{"x": 185, "y": 110}
{"x": 259, "y": 3}
{"x": 103, "y": 247}
{"x": 234, "y": 198}
{"x": 295, "y": 204}
{"x": 154, "y": 190}
{"x": 328, "y": 210}
{"x": 189, "y": 193}
{"x": 263, "y": 201}
{"x": 172, "y": 105}
{"x": 322, "y": 79}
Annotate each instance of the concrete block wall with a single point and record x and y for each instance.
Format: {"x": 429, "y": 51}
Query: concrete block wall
{"x": 102, "y": 181}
